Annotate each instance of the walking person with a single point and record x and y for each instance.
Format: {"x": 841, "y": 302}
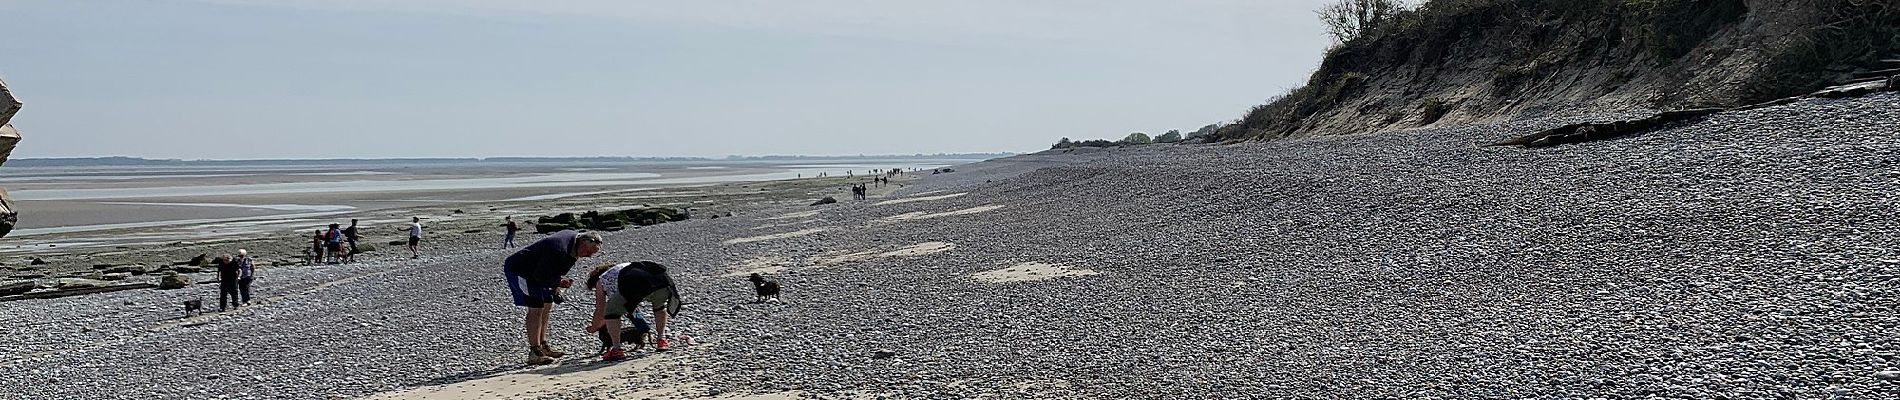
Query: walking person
{"x": 227, "y": 281}
{"x": 415, "y": 236}
{"x": 618, "y": 289}
{"x": 349, "y": 234}
{"x": 247, "y": 271}
{"x": 536, "y": 274}
{"x": 508, "y": 239}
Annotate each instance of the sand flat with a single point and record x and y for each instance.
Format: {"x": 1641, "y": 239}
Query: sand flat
{"x": 1031, "y": 271}
{"x": 918, "y": 199}
{"x": 775, "y": 236}
{"x": 912, "y": 216}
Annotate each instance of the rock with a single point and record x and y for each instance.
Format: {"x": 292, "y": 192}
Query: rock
{"x": 114, "y": 276}
{"x": 10, "y": 288}
{"x": 37, "y": 261}
{"x": 128, "y": 269}
{"x": 398, "y": 242}
{"x": 101, "y": 266}
{"x": 883, "y": 354}
{"x": 186, "y": 269}
{"x": 365, "y": 247}
{"x": 79, "y": 283}
{"x": 174, "y": 280}
{"x": 457, "y": 211}
{"x": 200, "y": 260}
{"x": 551, "y": 228}
{"x": 826, "y": 200}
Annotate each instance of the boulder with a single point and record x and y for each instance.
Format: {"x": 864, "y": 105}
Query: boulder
{"x": 79, "y": 283}
{"x": 10, "y": 288}
{"x": 551, "y": 228}
{"x": 174, "y": 281}
{"x": 199, "y": 261}
{"x": 826, "y": 200}
{"x": 128, "y": 269}
{"x": 37, "y": 261}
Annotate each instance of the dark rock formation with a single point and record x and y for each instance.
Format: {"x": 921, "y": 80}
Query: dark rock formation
{"x": 1590, "y": 131}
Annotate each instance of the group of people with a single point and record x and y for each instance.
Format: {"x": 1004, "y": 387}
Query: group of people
{"x": 337, "y": 244}
{"x": 537, "y": 275}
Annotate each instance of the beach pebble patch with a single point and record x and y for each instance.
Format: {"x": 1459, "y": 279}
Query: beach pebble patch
{"x": 1031, "y": 271}
{"x": 796, "y": 215}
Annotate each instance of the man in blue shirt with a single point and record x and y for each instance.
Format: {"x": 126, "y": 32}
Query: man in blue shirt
{"x": 535, "y": 276}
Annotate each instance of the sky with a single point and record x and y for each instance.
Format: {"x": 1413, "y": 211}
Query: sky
{"x": 262, "y": 79}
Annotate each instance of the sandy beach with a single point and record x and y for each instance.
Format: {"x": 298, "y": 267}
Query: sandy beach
{"x": 1380, "y": 266}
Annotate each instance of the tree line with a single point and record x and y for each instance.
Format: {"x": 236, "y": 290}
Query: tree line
{"x": 1206, "y": 133}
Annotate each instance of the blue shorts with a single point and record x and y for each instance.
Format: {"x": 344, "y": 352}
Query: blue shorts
{"x": 526, "y": 295}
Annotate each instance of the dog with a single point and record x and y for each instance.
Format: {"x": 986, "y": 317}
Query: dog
{"x": 635, "y": 333}
{"x": 192, "y": 305}
{"x": 765, "y": 288}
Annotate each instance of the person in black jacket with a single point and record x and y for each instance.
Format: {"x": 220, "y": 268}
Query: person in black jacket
{"x": 227, "y": 281}
{"x": 618, "y": 290}
{"x": 536, "y": 275}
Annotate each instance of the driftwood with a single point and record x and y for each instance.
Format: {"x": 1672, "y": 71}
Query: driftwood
{"x": 54, "y": 294}
{"x": 1591, "y": 131}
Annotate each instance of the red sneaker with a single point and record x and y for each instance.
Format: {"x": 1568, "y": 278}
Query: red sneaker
{"x": 614, "y": 354}
{"x": 660, "y": 345}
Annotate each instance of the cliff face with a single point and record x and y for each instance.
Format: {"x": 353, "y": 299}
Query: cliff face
{"x": 8, "y": 137}
{"x": 1464, "y": 61}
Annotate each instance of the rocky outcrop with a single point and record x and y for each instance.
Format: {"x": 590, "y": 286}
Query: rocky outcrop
{"x": 9, "y": 136}
{"x": 16, "y": 287}
{"x": 608, "y": 221}
{"x": 1591, "y": 131}
{"x": 174, "y": 281}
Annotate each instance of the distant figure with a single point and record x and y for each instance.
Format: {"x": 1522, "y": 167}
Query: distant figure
{"x": 349, "y": 255}
{"x": 227, "y": 281}
{"x": 536, "y": 274}
{"x": 508, "y": 239}
{"x": 415, "y": 236}
{"x": 315, "y": 253}
{"x": 333, "y": 241}
{"x": 247, "y": 271}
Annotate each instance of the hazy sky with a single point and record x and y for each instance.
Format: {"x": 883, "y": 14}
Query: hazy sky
{"x": 456, "y": 78}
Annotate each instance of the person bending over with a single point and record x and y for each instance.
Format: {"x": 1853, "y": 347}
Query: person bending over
{"x": 619, "y": 288}
{"x": 535, "y": 276}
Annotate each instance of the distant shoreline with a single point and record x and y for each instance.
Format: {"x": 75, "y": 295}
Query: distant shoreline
{"x": 116, "y": 161}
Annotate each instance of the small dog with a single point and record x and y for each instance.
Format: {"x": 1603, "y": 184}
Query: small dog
{"x": 635, "y": 334}
{"x": 197, "y": 305}
{"x": 765, "y": 288}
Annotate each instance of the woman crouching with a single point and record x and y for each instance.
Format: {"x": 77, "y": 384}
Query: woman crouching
{"x": 619, "y": 288}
